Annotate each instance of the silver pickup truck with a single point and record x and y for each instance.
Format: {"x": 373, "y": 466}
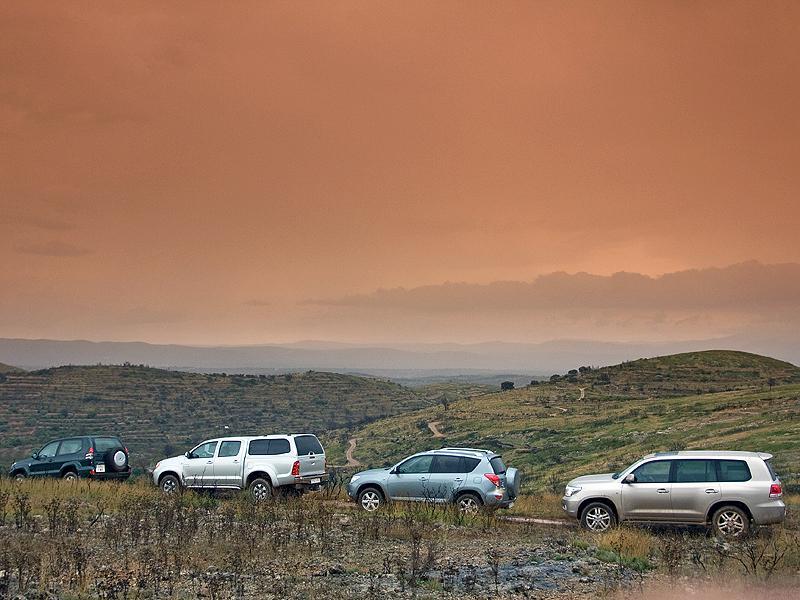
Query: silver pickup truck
{"x": 260, "y": 464}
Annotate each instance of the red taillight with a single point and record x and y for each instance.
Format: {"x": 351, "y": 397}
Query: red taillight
{"x": 495, "y": 479}
{"x": 126, "y": 450}
{"x": 89, "y": 454}
{"x": 296, "y": 468}
{"x": 775, "y": 490}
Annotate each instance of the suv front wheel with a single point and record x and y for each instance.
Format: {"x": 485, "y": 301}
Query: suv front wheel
{"x": 731, "y": 522}
{"x": 370, "y": 499}
{"x": 598, "y": 517}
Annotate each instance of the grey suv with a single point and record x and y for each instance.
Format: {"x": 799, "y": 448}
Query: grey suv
{"x": 468, "y": 477}
{"x": 729, "y": 491}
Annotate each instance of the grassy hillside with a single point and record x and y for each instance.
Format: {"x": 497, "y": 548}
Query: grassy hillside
{"x": 4, "y": 369}
{"x": 161, "y": 412}
{"x": 689, "y": 373}
{"x": 553, "y": 434}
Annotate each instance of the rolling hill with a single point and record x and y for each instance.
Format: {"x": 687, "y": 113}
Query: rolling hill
{"x": 161, "y": 412}
{"x": 557, "y": 430}
{"x": 4, "y": 369}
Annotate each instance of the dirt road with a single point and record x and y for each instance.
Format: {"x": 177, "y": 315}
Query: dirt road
{"x": 351, "y": 462}
{"x": 434, "y": 427}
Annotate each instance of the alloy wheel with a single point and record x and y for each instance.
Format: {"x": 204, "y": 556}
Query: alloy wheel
{"x": 468, "y": 505}
{"x": 370, "y": 501}
{"x": 261, "y": 491}
{"x": 730, "y": 523}
{"x": 598, "y": 519}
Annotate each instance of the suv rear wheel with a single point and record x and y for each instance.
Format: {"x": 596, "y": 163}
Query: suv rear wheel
{"x": 69, "y": 476}
{"x": 370, "y": 499}
{"x": 598, "y": 517}
{"x": 468, "y": 504}
{"x": 730, "y": 522}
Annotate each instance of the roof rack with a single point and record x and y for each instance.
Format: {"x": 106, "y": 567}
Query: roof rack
{"x": 482, "y": 450}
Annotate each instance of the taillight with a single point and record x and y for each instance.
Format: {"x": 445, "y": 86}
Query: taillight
{"x": 296, "y": 468}
{"x": 775, "y": 490}
{"x": 89, "y": 454}
{"x": 495, "y": 479}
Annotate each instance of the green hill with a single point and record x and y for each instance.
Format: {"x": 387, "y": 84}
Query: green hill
{"x": 161, "y": 412}
{"x": 553, "y": 434}
{"x": 689, "y": 373}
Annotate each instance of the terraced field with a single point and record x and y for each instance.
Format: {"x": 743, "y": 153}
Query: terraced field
{"x": 161, "y": 412}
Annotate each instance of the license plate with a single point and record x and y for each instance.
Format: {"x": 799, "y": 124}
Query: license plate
{"x": 100, "y": 469}
{"x": 315, "y": 480}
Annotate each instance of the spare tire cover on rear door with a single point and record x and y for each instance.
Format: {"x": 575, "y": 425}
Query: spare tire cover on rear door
{"x": 116, "y": 459}
{"x": 513, "y": 480}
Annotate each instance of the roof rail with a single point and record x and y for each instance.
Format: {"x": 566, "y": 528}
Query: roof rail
{"x": 482, "y": 450}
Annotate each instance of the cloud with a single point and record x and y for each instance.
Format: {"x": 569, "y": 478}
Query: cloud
{"x": 741, "y": 287}
{"x": 35, "y": 221}
{"x": 53, "y": 248}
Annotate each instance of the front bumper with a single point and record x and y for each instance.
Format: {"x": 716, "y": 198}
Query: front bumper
{"x": 570, "y": 504}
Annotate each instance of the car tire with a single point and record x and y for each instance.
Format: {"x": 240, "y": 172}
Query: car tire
{"x": 116, "y": 459}
{"x": 169, "y": 484}
{"x": 20, "y": 476}
{"x": 468, "y": 503}
{"x": 598, "y": 517}
{"x": 69, "y": 476}
{"x": 260, "y": 489}
{"x": 370, "y": 499}
{"x": 730, "y": 522}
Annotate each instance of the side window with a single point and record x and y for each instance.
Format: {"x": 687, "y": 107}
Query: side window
{"x": 470, "y": 464}
{"x": 205, "y": 450}
{"x": 418, "y": 464}
{"x": 278, "y": 447}
{"x": 656, "y": 471}
{"x": 498, "y": 466}
{"x": 70, "y": 447}
{"x": 268, "y": 447}
{"x": 447, "y": 464}
{"x": 49, "y": 451}
{"x": 229, "y": 449}
{"x": 695, "y": 471}
{"x": 733, "y": 470}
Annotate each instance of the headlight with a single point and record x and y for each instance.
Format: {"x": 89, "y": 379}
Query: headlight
{"x": 571, "y": 490}
{"x": 355, "y": 478}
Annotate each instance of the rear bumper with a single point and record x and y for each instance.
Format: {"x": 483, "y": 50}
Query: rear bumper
{"x": 491, "y": 499}
{"x": 92, "y": 474}
{"x": 310, "y": 481}
{"x": 769, "y": 513}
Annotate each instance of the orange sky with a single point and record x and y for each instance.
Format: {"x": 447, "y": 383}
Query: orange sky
{"x": 224, "y": 175}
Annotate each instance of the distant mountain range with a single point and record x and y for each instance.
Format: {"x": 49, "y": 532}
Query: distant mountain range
{"x": 397, "y": 361}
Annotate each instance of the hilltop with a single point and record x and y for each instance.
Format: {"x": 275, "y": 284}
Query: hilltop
{"x": 690, "y": 372}
{"x": 160, "y": 412}
{"x": 557, "y": 430}
{"x": 4, "y": 369}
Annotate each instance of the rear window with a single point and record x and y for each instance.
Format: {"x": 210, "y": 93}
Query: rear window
{"x": 733, "y": 470}
{"x": 268, "y": 447}
{"x": 498, "y": 466}
{"x": 103, "y": 444}
{"x": 447, "y": 464}
{"x": 70, "y": 447}
{"x": 308, "y": 444}
{"x": 771, "y": 470}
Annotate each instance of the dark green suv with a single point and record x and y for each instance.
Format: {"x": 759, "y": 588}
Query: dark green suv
{"x": 95, "y": 456}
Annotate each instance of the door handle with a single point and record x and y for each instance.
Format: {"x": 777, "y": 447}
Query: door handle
{"x": 712, "y": 491}
{"x": 663, "y": 491}
{"x": 458, "y": 479}
{"x": 423, "y": 478}
{"x": 209, "y": 462}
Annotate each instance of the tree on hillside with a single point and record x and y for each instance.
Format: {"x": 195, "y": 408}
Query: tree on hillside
{"x": 507, "y": 385}
{"x": 771, "y": 383}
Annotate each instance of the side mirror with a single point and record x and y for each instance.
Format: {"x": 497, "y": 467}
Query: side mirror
{"x": 629, "y": 478}
{"x": 35, "y": 455}
{"x": 187, "y": 454}
{"x": 393, "y": 471}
